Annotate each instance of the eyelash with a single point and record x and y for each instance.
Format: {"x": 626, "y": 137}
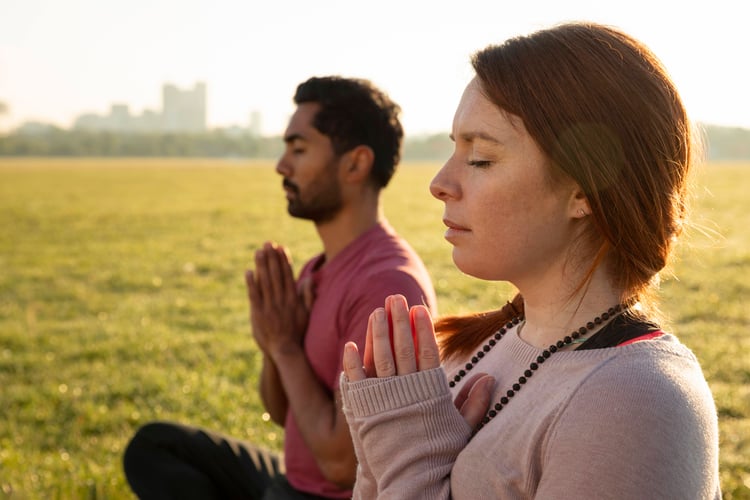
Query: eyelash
{"x": 479, "y": 163}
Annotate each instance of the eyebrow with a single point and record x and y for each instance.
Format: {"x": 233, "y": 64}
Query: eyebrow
{"x": 471, "y": 136}
{"x": 293, "y": 137}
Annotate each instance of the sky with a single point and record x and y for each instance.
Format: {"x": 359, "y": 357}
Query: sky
{"x": 60, "y": 59}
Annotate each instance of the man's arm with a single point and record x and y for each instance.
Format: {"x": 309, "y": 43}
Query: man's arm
{"x": 288, "y": 382}
{"x": 318, "y": 415}
{"x": 272, "y": 392}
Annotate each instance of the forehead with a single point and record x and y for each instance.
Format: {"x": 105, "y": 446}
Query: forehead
{"x": 301, "y": 123}
{"x": 478, "y": 117}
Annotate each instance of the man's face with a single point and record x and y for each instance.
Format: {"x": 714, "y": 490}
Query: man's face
{"x": 310, "y": 169}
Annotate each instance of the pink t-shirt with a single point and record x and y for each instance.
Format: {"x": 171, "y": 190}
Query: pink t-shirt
{"x": 347, "y": 289}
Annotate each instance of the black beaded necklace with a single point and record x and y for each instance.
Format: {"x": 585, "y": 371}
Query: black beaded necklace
{"x": 534, "y": 366}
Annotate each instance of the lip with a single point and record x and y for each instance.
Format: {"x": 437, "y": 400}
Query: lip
{"x": 454, "y": 230}
{"x": 290, "y": 190}
{"x": 453, "y": 225}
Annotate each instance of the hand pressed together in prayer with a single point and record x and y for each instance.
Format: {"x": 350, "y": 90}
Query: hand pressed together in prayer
{"x": 279, "y": 309}
{"x": 401, "y": 340}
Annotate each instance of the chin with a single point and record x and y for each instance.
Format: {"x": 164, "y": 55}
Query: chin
{"x": 473, "y": 268}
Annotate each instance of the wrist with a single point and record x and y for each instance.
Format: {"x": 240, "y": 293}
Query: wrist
{"x": 286, "y": 352}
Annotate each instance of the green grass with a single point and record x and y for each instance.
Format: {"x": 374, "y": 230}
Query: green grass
{"x": 122, "y": 301}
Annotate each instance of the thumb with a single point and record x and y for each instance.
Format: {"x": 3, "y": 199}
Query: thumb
{"x": 308, "y": 293}
{"x": 475, "y": 407}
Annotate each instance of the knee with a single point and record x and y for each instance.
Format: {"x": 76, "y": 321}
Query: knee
{"x": 146, "y": 440}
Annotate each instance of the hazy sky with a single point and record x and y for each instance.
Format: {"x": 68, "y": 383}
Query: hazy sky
{"x": 61, "y": 58}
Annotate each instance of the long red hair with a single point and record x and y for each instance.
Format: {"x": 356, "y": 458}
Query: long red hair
{"x": 606, "y": 114}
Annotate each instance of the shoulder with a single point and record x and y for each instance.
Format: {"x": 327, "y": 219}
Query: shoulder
{"x": 651, "y": 393}
{"x": 647, "y": 409}
{"x": 659, "y": 373}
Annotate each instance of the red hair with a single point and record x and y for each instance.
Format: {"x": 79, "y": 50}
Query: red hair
{"x": 606, "y": 114}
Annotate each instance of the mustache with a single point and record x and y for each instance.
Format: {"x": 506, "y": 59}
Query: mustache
{"x": 290, "y": 185}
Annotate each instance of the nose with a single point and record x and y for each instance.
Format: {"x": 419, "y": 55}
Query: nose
{"x": 283, "y": 167}
{"x": 443, "y": 186}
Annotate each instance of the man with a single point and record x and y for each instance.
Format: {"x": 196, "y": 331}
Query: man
{"x": 342, "y": 147}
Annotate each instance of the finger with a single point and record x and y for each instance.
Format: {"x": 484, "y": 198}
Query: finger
{"x": 353, "y": 368}
{"x": 307, "y": 288}
{"x": 275, "y": 273}
{"x": 403, "y": 343}
{"x": 287, "y": 273}
{"x": 463, "y": 394}
{"x": 428, "y": 353}
{"x": 368, "y": 360}
{"x": 381, "y": 346}
{"x": 477, "y": 403}
{"x": 252, "y": 289}
{"x": 262, "y": 279}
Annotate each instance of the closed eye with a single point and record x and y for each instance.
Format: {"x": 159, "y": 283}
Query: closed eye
{"x": 479, "y": 163}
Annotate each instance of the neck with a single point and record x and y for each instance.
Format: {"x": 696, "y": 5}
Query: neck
{"x": 550, "y": 317}
{"x": 351, "y": 222}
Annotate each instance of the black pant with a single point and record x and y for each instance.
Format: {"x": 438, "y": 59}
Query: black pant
{"x": 168, "y": 460}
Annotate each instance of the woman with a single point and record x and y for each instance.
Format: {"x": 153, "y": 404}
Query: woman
{"x": 568, "y": 180}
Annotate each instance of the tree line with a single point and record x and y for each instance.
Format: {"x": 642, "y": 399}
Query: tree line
{"x": 722, "y": 143}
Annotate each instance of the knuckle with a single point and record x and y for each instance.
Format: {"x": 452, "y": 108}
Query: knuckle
{"x": 426, "y": 354}
{"x": 405, "y": 352}
{"x": 385, "y": 367}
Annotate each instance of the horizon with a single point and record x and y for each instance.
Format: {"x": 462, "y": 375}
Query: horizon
{"x": 62, "y": 60}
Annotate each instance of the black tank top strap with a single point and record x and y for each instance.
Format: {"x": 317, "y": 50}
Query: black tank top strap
{"x": 621, "y": 329}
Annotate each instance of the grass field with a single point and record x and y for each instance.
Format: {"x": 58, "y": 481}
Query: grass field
{"x": 122, "y": 301}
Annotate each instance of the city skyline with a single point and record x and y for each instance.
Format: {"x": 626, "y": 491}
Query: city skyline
{"x": 61, "y": 60}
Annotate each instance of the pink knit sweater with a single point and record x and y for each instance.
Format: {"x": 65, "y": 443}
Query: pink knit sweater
{"x": 636, "y": 421}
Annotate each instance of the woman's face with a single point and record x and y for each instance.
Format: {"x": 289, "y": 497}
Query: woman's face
{"x": 507, "y": 220}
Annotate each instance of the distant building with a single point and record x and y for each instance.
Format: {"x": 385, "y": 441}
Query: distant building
{"x": 182, "y": 111}
{"x": 256, "y": 124}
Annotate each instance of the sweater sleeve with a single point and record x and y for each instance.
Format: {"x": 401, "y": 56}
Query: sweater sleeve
{"x": 643, "y": 433}
{"x": 409, "y": 432}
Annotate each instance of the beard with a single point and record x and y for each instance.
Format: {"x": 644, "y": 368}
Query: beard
{"x": 320, "y": 202}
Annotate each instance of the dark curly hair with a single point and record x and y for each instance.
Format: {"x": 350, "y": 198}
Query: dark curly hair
{"x": 354, "y": 112}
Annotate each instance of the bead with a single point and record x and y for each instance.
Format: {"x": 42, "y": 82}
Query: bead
{"x": 533, "y": 366}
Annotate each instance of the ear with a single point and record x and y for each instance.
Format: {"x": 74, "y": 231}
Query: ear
{"x": 579, "y": 207}
{"x": 357, "y": 164}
